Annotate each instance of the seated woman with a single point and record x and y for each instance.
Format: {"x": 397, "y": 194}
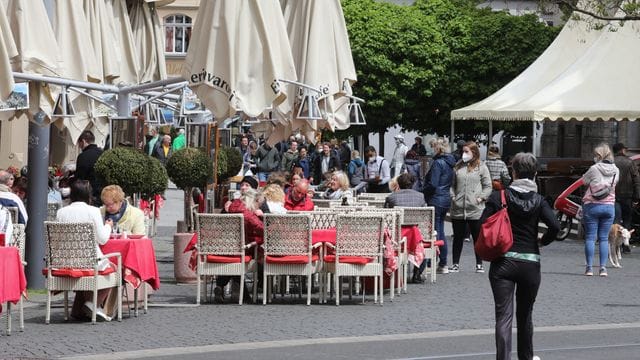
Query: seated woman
{"x": 274, "y": 199}
{"x": 126, "y": 218}
{"x": 80, "y": 211}
{"x": 249, "y": 206}
{"x": 338, "y": 187}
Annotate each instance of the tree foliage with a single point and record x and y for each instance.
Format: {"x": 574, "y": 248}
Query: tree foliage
{"x": 229, "y": 163}
{"x": 435, "y": 54}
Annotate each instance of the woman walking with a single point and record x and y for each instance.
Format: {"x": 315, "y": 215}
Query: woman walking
{"x": 598, "y": 206}
{"x": 519, "y": 269}
{"x": 470, "y": 189}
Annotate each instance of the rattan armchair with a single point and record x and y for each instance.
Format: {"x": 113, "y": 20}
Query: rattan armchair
{"x": 358, "y": 250}
{"x": 424, "y": 217}
{"x": 221, "y": 250}
{"x": 18, "y": 240}
{"x": 52, "y": 210}
{"x": 73, "y": 246}
{"x": 288, "y": 250}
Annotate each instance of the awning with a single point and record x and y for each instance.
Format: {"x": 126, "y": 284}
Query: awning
{"x": 7, "y": 51}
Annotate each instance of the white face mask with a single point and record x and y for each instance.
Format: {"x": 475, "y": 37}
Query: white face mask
{"x": 466, "y": 157}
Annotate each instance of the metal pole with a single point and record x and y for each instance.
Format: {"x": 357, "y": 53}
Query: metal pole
{"x": 534, "y": 148}
{"x": 38, "y": 165}
{"x": 490, "y": 141}
{"x": 453, "y": 133}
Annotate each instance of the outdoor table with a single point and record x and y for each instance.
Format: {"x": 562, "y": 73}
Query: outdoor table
{"x": 12, "y": 279}
{"x": 138, "y": 259}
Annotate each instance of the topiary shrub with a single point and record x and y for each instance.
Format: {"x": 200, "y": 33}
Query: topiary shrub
{"x": 134, "y": 171}
{"x": 229, "y": 163}
{"x": 189, "y": 168}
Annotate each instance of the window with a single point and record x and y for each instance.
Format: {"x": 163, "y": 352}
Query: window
{"x": 177, "y": 33}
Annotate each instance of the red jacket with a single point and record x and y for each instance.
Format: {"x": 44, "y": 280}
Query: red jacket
{"x": 253, "y": 225}
{"x": 306, "y": 204}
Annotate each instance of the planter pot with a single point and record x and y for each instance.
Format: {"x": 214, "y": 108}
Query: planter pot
{"x": 181, "y": 270}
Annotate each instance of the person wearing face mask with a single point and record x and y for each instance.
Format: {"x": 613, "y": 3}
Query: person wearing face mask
{"x": 376, "y": 173}
{"x": 598, "y": 206}
{"x": 399, "y": 154}
{"x": 470, "y": 189}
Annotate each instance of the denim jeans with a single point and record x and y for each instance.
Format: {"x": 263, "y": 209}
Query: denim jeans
{"x": 597, "y": 220}
{"x": 441, "y": 213}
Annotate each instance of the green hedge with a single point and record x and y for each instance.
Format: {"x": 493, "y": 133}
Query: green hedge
{"x": 189, "y": 167}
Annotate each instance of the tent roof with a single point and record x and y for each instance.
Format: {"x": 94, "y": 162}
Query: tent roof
{"x": 567, "y": 81}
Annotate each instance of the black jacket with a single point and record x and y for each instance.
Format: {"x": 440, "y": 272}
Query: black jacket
{"x": 85, "y": 169}
{"x": 316, "y": 171}
{"x": 526, "y": 210}
{"x": 629, "y": 181}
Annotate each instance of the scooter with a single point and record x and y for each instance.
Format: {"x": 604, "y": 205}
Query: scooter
{"x": 568, "y": 207}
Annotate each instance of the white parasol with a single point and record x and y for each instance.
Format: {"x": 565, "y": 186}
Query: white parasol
{"x": 322, "y": 54}
{"x": 7, "y": 51}
{"x": 238, "y": 51}
{"x": 149, "y": 41}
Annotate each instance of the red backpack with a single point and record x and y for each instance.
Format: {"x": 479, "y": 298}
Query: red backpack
{"x": 495, "y": 237}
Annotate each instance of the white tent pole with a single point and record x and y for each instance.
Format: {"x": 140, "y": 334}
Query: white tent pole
{"x": 534, "y": 147}
{"x": 453, "y": 133}
{"x": 489, "y": 142}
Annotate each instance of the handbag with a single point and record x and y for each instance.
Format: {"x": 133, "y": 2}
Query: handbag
{"x": 496, "y": 237}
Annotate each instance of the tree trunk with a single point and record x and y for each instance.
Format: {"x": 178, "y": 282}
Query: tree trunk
{"x": 381, "y": 142}
{"x": 188, "y": 200}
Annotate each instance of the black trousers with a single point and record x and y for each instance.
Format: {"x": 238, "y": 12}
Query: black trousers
{"x": 459, "y": 233}
{"x": 624, "y": 209}
{"x": 506, "y": 276}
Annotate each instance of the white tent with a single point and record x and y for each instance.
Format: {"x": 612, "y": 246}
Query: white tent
{"x": 575, "y": 39}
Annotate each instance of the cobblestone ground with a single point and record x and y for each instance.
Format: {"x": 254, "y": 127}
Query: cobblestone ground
{"x": 455, "y": 302}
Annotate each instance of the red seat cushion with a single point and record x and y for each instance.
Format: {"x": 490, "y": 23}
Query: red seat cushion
{"x": 227, "y": 259}
{"x": 291, "y": 259}
{"x": 78, "y": 273}
{"x": 357, "y": 260}
{"x": 438, "y": 243}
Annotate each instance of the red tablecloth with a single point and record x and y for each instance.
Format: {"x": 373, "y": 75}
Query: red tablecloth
{"x": 138, "y": 256}
{"x": 323, "y": 236}
{"x": 12, "y": 279}
{"x": 414, "y": 238}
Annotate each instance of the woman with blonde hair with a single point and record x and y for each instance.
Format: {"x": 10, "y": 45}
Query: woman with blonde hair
{"x": 598, "y": 206}
{"x": 470, "y": 189}
{"x": 338, "y": 187}
{"x": 126, "y": 218}
{"x": 274, "y": 198}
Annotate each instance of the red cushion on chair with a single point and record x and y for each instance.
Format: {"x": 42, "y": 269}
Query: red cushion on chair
{"x": 438, "y": 243}
{"x": 227, "y": 259}
{"x": 357, "y": 260}
{"x": 78, "y": 273}
{"x": 291, "y": 259}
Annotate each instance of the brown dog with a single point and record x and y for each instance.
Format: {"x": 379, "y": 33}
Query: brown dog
{"x": 618, "y": 236}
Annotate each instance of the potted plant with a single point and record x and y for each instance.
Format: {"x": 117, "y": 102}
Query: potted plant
{"x": 229, "y": 165}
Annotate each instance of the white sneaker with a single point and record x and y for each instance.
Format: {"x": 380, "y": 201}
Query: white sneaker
{"x": 535, "y": 357}
{"x": 467, "y": 240}
{"x": 479, "y": 268}
{"x": 100, "y": 315}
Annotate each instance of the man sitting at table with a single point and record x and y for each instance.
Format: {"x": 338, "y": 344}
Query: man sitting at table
{"x": 405, "y": 196}
{"x": 298, "y": 198}
{"x": 126, "y": 218}
{"x": 80, "y": 211}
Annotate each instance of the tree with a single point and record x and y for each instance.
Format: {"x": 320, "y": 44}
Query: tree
{"x": 614, "y": 10}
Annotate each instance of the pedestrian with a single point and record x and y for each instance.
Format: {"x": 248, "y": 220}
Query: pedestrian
{"x": 628, "y": 188}
{"x": 419, "y": 147}
{"x": 469, "y": 190}
{"x": 458, "y": 153}
{"x": 153, "y": 140}
{"x": 399, "y": 153}
{"x": 325, "y": 162}
{"x": 180, "y": 141}
{"x": 289, "y": 156}
{"x": 498, "y": 170}
{"x": 518, "y": 271}
{"x": 269, "y": 161}
{"x": 598, "y": 206}
{"x": 163, "y": 150}
{"x": 377, "y": 173}
{"x": 345, "y": 154}
{"x": 436, "y": 188}
{"x": 355, "y": 171}
{"x": 85, "y": 163}
{"x": 413, "y": 167}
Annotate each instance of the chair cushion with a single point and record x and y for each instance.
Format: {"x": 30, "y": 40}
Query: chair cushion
{"x": 291, "y": 259}
{"x": 78, "y": 273}
{"x": 227, "y": 259}
{"x": 357, "y": 260}
{"x": 438, "y": 243}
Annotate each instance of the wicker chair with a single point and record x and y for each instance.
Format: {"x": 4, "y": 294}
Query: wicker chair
{"x": 323, "y": 203}
{"x": 424, "y": 217}
{"x": 19, "y": 240}
{"x": 73, "y": 246}
{"x": 52, "y": 210}
{"x": 372, "y": 196}
{"x": 359, "y": 242}
{"x": 394, "y": 218}
{"x": 288, "y": 249}
{"x": 221, "y": 250}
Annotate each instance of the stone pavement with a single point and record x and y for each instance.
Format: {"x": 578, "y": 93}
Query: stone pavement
{"x": 457, "y": 302}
